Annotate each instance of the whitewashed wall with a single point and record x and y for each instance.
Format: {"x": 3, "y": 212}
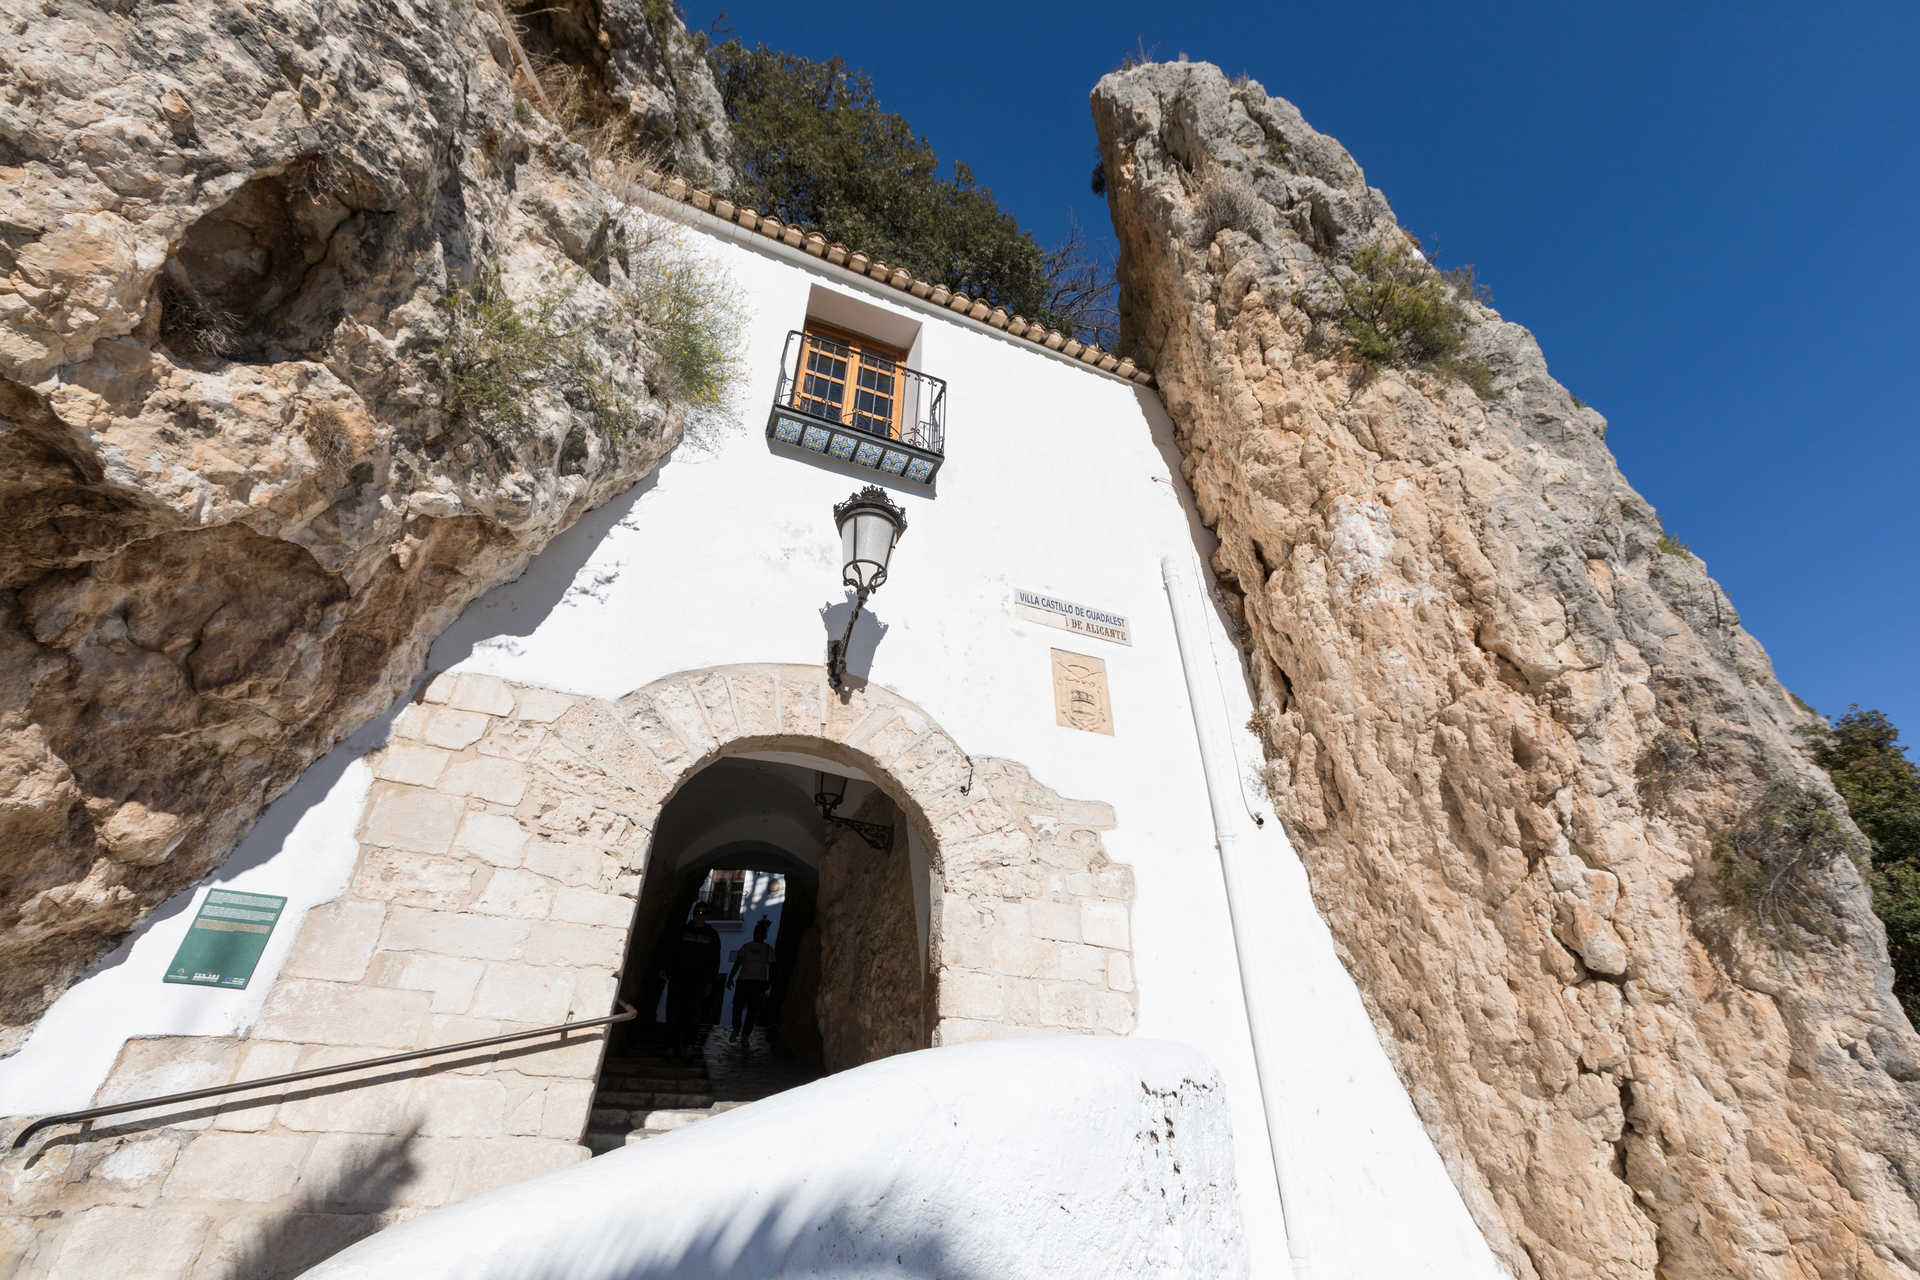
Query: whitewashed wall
{"x": 1058, "y": 479}
{"x": 1073, "y": 1159}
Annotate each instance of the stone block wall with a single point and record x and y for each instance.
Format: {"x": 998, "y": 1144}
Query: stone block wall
{"x": 872, "y": 991}
{"x": 1033, "y": 929}
{"x": 501, "y": 851}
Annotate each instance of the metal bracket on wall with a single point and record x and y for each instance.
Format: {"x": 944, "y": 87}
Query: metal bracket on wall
{"x": 878, "y": 835}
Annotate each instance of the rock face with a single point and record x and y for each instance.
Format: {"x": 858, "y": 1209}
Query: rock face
{"x": 238, "y": 506}
{"x": 650, "y": 71}
{"x": 1544, "y": 783}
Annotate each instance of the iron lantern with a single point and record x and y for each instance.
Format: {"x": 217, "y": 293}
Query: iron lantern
{"x": 870, "y": 524}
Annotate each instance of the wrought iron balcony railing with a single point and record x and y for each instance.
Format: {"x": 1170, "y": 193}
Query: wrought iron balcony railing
{"x": 865, "y": 409}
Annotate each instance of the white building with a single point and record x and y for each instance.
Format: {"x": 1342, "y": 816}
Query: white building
{"x": 1044, "y": 713}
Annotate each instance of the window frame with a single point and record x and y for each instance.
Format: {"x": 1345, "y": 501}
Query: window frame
{"x": 863, "y": 356}
{"x": 724, "y": 892}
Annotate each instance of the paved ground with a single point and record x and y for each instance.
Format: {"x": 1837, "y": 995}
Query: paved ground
{"x": 749, "y": 1072}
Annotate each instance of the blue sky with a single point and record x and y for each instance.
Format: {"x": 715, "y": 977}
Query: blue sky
{"x": 1709, "y": 216}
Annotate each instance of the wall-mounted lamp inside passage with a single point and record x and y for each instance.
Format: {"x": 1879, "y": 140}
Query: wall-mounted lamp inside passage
{"x": 829, "y": 797}
{"x": 869, "y": 526}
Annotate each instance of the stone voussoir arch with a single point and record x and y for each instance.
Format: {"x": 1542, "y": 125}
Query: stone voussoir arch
{"x": 1030, "y": 925}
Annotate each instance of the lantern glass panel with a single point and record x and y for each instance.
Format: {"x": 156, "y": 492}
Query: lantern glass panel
{"x": 848, "y": 553}
{"x": 874, "y": 545}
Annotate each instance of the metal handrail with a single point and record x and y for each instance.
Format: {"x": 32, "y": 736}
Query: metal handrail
{"x": 628, "y": 1013}
{"x": 923, "y": 400}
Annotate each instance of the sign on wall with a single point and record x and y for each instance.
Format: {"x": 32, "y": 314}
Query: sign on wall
{"x": 1051, "y": 611}
{"x": 224, "y": 942}
{"x": 1080, "y": 693}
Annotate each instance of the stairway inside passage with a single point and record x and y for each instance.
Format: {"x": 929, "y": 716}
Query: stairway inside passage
{"x": 645, "y": 1092}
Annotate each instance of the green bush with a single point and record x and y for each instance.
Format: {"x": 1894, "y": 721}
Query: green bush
{"x": 815, "y": 148}
{"x": 1400, "y": 312}
{"x": 1896, "y": 900}
{"x": 1768, "y": 862}
{"x": 693, "y": 321}
{"x": 499, "y": 349}
{"x": 1862, "y": 752}
{"x": 1673, "y": 546}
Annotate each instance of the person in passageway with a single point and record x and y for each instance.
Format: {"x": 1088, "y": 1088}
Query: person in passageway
{"x": 694, "y": 964}
{"x": 752, "y": 975}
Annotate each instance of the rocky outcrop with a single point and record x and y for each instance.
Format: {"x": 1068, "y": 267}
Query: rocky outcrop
{"x": 238, "y": 506}
{"x": 1545, "y": 785}
{"x": 648, "y": 70}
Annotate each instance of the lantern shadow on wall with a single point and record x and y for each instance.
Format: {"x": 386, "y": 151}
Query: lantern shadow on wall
{"x": 856, "y": 660}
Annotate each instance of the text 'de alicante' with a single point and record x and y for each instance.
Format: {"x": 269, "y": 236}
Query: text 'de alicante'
{"x": 1052, "y": 611}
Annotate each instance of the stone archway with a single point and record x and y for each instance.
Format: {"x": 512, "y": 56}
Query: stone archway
{"x": 1029, "y": 920}
{"x": 504, "y": 842}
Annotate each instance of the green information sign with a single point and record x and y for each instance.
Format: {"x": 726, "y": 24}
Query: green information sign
{"x": 225, "y": 940}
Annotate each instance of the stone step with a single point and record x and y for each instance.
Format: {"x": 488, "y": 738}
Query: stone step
{"x": 621, "y": 1080}
{"x": 624, "y": 1075}
{"x": 667, "y": 1119}
{"x": 601, "y": 1141}
{"x": 647, "y": 1100}
{"x": 665, "y": 1092}
{"x": 692, "y": 1062}
{"x": 617, "y": 1117}
{"x": 611, "y": 1128}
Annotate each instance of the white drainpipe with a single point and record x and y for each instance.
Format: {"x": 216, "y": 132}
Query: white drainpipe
{"x": 1223, "y": 781}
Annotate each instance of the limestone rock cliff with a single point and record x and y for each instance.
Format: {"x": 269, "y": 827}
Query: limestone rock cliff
{"x": 644, "y": 67}
{"x": 1546, "y": 787}
{"x": 237, "y": 507}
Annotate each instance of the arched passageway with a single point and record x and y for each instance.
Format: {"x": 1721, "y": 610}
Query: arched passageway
{"x": 521, "y": 848}
{"x": 848, "y": 979}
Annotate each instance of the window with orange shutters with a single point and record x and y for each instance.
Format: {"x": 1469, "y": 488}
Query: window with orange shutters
{"x": 850, "y": 379}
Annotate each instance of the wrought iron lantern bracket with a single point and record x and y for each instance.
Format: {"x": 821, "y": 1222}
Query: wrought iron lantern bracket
{"x": 837, "y": 649}
{"x": 878, "y": 835}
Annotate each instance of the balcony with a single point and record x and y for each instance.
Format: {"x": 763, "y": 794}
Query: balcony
{"x": 862, "y": 408}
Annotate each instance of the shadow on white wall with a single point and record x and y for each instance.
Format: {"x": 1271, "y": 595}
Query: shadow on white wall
{"x": 868, "y": 632}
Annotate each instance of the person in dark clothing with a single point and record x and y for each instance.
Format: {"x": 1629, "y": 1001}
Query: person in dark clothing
{"x": 693, "y": 964}
{"x": 752, "y": 975}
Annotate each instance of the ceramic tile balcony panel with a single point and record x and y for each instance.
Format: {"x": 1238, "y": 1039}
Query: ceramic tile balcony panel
{"x": 859, "y": 405}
